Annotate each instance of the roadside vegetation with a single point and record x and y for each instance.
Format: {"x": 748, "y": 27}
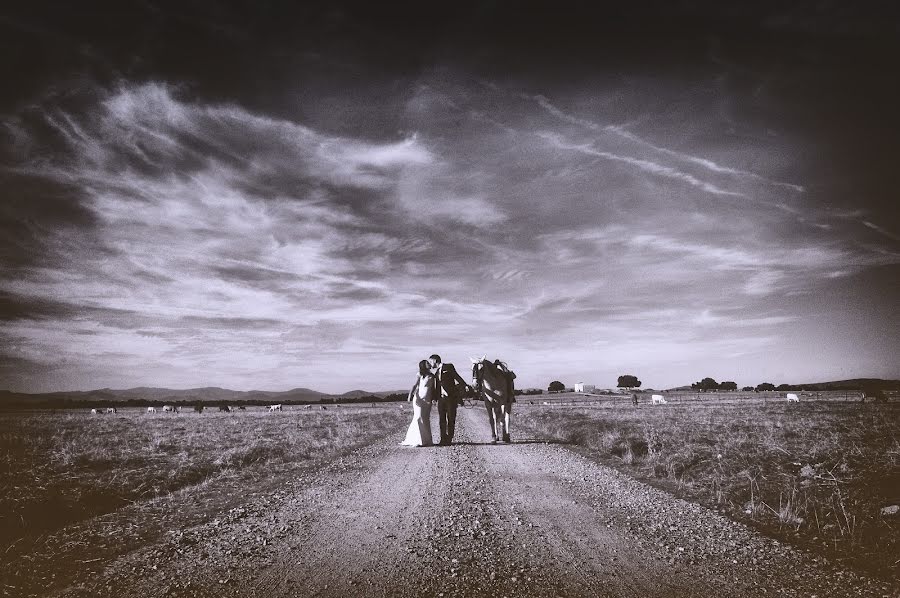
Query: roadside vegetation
{"x": 825, "y": 474}
{"x": 61, "y": 467}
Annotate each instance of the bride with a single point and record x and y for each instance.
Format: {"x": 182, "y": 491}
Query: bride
{"x": 421, "y": 395}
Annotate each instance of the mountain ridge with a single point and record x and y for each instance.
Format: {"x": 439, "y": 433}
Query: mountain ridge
{"x": 149, "y": 394}
{"x": 152, "y": 394}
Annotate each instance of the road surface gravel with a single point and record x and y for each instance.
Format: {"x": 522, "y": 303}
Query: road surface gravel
{"x": 474, "y": 519}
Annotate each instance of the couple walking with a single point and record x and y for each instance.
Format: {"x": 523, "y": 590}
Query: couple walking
{"x": 436, "y": 382}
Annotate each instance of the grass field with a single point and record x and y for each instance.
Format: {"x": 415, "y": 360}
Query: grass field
{"x": 818, "y": 472}
{"x": 62, "y": 467}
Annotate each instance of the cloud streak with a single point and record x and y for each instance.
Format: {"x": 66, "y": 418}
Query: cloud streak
{"x": 643, "y": 165}
{"x": 625, "y": 134}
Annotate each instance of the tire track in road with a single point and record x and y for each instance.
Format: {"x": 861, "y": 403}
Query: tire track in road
{"x": 568, "y": 545}
{"x": 614, "y": 536}
{"x": 364, "y": 537}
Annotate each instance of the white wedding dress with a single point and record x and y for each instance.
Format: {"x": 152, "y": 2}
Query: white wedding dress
{"x": 419, "y": 432}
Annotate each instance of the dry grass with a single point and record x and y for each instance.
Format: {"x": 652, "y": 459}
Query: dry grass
{"x": 817, "y": 472}
{"x": 62, "y": 467}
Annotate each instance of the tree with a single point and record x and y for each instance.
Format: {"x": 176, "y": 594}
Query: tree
{"x": 628, "y": 381}
{"x": 556, "y": 386}
{"x": 705, "y": 384}
{"x": 765, "y": 386}
{"x": 747, "y": 389}
{"x": 728, "y": 385}
{"x": 871, "y": 391}
{"x": 783, "y": 387}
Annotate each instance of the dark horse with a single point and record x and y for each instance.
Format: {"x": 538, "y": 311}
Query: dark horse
{"x": 493, "y": 385}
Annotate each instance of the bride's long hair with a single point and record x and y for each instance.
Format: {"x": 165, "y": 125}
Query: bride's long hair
{"x": 424, "y": 368}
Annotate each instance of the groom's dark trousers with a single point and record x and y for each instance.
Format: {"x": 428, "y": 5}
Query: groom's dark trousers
{"x": 447, "y": 418}
{"x": 447, "y": 402}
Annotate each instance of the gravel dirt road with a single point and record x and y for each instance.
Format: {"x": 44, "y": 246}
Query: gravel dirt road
{"x": 474, "y": 519}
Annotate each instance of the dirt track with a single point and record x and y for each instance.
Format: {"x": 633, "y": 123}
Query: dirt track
{"x": 474, "y": 519}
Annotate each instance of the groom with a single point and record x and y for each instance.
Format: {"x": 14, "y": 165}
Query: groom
{"x": 451, "y": 387}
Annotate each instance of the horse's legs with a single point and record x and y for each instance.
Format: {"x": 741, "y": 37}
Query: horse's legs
{"x": 498, "y": 417}
{"x": 502, "y": 429}
{"x": 506, "y": 411}
{"x": 490, "y": 413}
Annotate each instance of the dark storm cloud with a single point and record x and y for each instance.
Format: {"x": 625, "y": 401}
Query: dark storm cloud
{"x": 251, "y": 275}
{"x": 35, "y": 215}
{"x": 14, "y": 308}
{"x": 232, "y": 324}
{"x": 353, "y": 293}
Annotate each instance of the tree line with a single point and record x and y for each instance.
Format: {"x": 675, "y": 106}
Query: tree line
{"x": 183, "y": 402}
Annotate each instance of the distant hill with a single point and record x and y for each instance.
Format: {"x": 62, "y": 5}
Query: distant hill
{"x": 352, "y": 394}
{"x": 147, "y": 395}
{"x": 384, "y": 393}
{"x": 299, "y": 394}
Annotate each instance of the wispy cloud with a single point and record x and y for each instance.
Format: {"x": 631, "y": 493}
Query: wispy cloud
{"x": 624, "y": 133}
{"x": 879, "y": 229}
{"x": 184, "y": 242}
{"x": 643, "y": 165}
{"x": 705, "y": 163}
{"x": 213, "y": 223}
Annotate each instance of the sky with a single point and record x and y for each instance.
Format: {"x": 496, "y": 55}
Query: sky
{"x": 267, "y": 196}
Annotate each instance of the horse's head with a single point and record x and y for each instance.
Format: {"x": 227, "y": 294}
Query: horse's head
{"x": 478, "y": 365}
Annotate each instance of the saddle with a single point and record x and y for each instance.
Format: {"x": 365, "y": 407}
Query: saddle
{"x": 509, "y": 375}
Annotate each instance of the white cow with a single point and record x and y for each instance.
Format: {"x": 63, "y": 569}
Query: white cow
{"x": 658, "y": 400}
{"x": 792, "y": 398}
{"x": 111, "y": 410}
{"x": 151, "y": 409}
{"x": 275, "y": 408}
{"x": 168, "y": 409}
{"x": 95, "y": 412}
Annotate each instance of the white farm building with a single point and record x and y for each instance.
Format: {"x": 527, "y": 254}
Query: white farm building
{"x": 582, "y": 387}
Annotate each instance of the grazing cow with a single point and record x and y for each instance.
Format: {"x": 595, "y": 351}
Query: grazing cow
{"x": 168, "y": 409}
{"x": 111, "y": 410}
{"x": 225, "y": 408}
{"x": 151, "y": 409}
{"x": 275, "y": 408}
{"x": 792, "y": 398}
{"x": 658, "y": 400}
{"x": 242, "y": 408}
{"x": 308, "y": 407}
{"x": 95, "y": 412}
{"x": 324, "y": 408}
{"x": 198, "y": 408}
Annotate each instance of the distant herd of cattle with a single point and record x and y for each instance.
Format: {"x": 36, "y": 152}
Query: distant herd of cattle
{"x": 661, "y": 400}
{"x": 654, "y": 400}
{"x": 200, "y": 408}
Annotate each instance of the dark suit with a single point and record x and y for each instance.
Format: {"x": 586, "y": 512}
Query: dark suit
{"x": 451, "y": 387}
